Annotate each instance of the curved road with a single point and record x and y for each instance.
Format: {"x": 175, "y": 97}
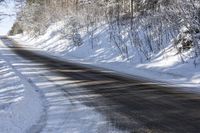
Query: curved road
{"x": 125, "y": 105}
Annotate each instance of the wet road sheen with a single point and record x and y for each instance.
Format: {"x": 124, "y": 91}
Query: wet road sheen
{"x": 128, "y": 104}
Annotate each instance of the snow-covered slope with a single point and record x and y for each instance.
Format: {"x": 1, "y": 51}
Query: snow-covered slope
{"x": 165, "y": 65}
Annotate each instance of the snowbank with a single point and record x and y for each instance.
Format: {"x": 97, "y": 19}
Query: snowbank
{"x": 165, "y": 66}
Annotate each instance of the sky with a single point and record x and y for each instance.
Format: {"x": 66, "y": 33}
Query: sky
{"x": 7, "y": 22}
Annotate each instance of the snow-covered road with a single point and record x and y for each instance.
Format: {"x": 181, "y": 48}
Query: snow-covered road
{"x": 53, "y": 96}
{"x": 58, "y": 114}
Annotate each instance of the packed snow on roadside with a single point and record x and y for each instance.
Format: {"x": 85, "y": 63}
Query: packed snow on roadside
{"x": 165, "y": 66}
{"x": 20, "y": 105}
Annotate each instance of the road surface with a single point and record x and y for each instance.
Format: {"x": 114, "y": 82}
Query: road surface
{"x": 100, "y": 102}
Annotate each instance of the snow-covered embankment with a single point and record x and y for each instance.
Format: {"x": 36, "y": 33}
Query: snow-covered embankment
{"x": 165, "y": 66}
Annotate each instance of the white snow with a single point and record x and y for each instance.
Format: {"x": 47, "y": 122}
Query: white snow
{"x": 166, "y": 66}
{"x": 20, "y": 105}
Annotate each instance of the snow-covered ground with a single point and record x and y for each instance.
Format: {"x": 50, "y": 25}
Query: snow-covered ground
{"x": 20, "y": 105}
{"x": 165, "y": 66}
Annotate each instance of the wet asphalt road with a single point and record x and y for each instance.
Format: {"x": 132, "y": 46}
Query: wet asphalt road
{"x": 130, "y": 105}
